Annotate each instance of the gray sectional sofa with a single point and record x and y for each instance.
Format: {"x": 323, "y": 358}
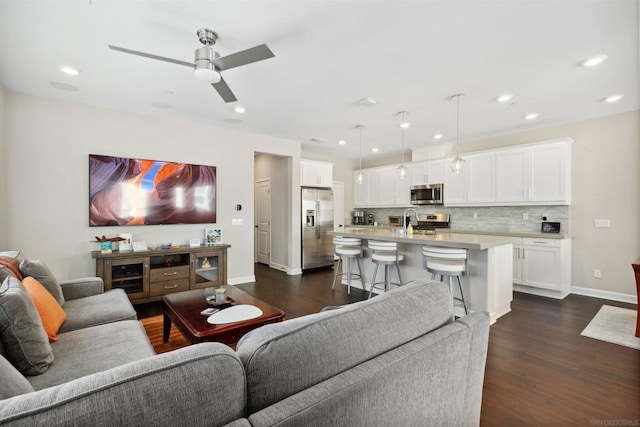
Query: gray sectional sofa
{"x": 396, "y": 359}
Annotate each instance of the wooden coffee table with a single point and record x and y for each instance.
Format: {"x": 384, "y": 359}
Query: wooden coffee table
{"x": 183, "y": 309}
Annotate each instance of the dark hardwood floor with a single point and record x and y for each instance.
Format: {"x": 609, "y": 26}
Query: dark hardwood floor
{"x": 539, "y": 371}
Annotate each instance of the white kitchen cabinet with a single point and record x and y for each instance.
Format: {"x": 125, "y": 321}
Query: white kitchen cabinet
{"x": 535, "y": 174}
{"x": 361, "y": 190}
{"x": 475, "y": 185}
{"x": 542, "y": 266}
{"x": 430, "y": 172}
{"x": 316, "y": 174}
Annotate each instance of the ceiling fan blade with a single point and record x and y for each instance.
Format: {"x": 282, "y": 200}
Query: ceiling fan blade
{"x": 243, "y": 57}
{"x": 224, "y": 91}
{"x": 148, "y": 55}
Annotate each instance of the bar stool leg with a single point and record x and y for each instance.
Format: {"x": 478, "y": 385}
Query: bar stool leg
{"x": 373, "y": 279}
{"x": 348, "y": 275}
{"x": 399, "y": 275}
{"x": 387, "y": 278}
{"x": 335, "y": 276}
{"x": 361, "y": 276}
{"x": 464, "y": 304}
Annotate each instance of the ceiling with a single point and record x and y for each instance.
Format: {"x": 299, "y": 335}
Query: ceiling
{"x": 407, "y": 55}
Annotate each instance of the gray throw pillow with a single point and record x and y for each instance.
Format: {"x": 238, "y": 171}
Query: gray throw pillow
{"x": 13, "y": 382}
{"x": 4, "y": 273}
{"x": 39, "y": 271}
{"x": 23, "y": 337}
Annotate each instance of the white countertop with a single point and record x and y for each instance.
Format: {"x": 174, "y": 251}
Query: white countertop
{"x": 451, "y": 240}
{"x": 507, "y": 233}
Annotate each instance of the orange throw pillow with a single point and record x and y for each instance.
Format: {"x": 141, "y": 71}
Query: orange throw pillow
{"x": 50, "y": 311}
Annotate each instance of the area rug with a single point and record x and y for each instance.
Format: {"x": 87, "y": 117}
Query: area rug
{"x": 615, "y": 325}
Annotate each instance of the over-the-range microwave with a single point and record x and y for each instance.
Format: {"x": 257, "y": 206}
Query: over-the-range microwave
{"x": 431, "y": 194}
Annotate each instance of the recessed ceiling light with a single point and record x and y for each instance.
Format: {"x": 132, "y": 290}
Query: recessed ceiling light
{"x": 504, "y": 98}
{"x": 593, "y": 61}
{"x": 69, "y": 70}
{"x": 531, "y": 116}
{"x": 64, "y": 86}
{"x": 239, "y": 109}
{"x": 438, "y": 136}
{"x": 375, "y": 149}
{"x": 342, "y": 142}
{"x": 367, "y": 102}
{"x": 614, "y": 98}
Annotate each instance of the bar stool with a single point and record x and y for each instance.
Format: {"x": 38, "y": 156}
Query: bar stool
{"x": 385, "y": 253}
{"x": 451, "y": 262}
{"x": 349, "y": 248}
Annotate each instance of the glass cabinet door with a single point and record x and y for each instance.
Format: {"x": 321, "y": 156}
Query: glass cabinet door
{"x": 207, "y": 269}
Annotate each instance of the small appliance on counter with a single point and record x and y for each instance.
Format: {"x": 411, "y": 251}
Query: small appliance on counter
{"x": 395, "y": 220}
{"x": 550, "y": 227}
{"x": 370, "y": 220}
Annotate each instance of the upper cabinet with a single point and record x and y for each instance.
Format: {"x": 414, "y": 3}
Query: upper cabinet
{"x": 531, "y": 174}
{"x": 429, "y": 172}
{"x": 316, "y": 174}
{"x": 381, "y": 187}
{"x": 475, "y": 184}
{"x": 536, "y": 174}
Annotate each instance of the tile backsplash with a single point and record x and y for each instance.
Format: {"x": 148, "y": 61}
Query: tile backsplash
{"x": 508, "y": 218}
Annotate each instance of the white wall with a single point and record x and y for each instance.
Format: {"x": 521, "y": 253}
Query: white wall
{"x": 47, "y": 147}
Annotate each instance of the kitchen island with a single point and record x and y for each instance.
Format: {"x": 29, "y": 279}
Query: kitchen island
{"x": 488, "y": 284}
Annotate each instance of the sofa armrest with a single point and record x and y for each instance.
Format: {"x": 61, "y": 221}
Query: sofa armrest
{"x": 80, "y": 288}
{"x": 203, "y": 384}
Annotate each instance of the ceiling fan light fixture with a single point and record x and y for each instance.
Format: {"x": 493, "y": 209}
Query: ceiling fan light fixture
{"x": 207, "y": 75}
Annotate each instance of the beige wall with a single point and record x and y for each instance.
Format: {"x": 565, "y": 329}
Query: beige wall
{"x": 47, "y": 147}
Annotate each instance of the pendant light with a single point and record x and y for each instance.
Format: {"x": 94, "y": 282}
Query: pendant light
{"x": 458, "y": 163}
{"x": 402, "y": 169}
{"x": 360, "y": 177}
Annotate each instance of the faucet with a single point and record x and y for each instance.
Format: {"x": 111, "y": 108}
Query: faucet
{"x": 404, "y": 217}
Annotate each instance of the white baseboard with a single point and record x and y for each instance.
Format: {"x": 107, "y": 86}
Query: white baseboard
{"x": 239, "y": 280}
{"x": 277, "y": 266}
{"x": 294, "y": 271}
{"x": 596, "y": 293}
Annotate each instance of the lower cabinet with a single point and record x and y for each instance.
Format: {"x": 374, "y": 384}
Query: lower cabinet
{"x": 542, "y": 266}
{"x": 146, "y": 276}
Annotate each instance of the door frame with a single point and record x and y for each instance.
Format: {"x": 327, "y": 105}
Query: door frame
{"x": 257, "y": 215}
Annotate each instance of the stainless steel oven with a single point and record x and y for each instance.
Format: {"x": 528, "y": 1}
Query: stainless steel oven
{"x": 431, "y": 194}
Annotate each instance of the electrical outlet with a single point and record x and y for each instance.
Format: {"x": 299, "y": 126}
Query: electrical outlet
{"x": 237, "y": 221}
{"x": 597, "y": 274}
{"x": 475, "y": 215}
{"x": 525, "y": 216}
{"x": 601, "y": 223}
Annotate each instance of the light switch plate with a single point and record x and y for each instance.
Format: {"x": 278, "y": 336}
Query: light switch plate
{"x": 237, "y": 221}
{"x": 601, "y": 223}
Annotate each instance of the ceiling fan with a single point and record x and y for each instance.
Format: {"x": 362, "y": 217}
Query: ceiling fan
{"x": 208, "y": 64}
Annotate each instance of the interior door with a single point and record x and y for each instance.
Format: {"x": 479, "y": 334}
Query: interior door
{"x": 263, "y": 221}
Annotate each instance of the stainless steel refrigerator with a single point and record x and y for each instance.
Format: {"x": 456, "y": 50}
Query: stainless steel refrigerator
{"x": 317, "y": 220}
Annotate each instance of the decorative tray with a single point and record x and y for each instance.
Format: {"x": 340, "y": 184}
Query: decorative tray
{"x": 228, "y": 303}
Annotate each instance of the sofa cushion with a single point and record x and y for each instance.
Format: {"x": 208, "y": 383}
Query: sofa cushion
{"x": 284, "y": 358}
{"x": 111, "y": 306}
{"x": 51, "y": 314}
{"x": 90, "y": 350}
{"x": 39, "y": 270}
{"x": 23, "y": 337}
{"x": 12, "y": 265}
{"x": 13, "y": 382}
{"x": 431, "y": 380}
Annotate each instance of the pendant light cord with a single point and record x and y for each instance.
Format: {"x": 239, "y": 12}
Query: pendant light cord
{"x": 402, "y": 130}
{"x": 360, "y": 129}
